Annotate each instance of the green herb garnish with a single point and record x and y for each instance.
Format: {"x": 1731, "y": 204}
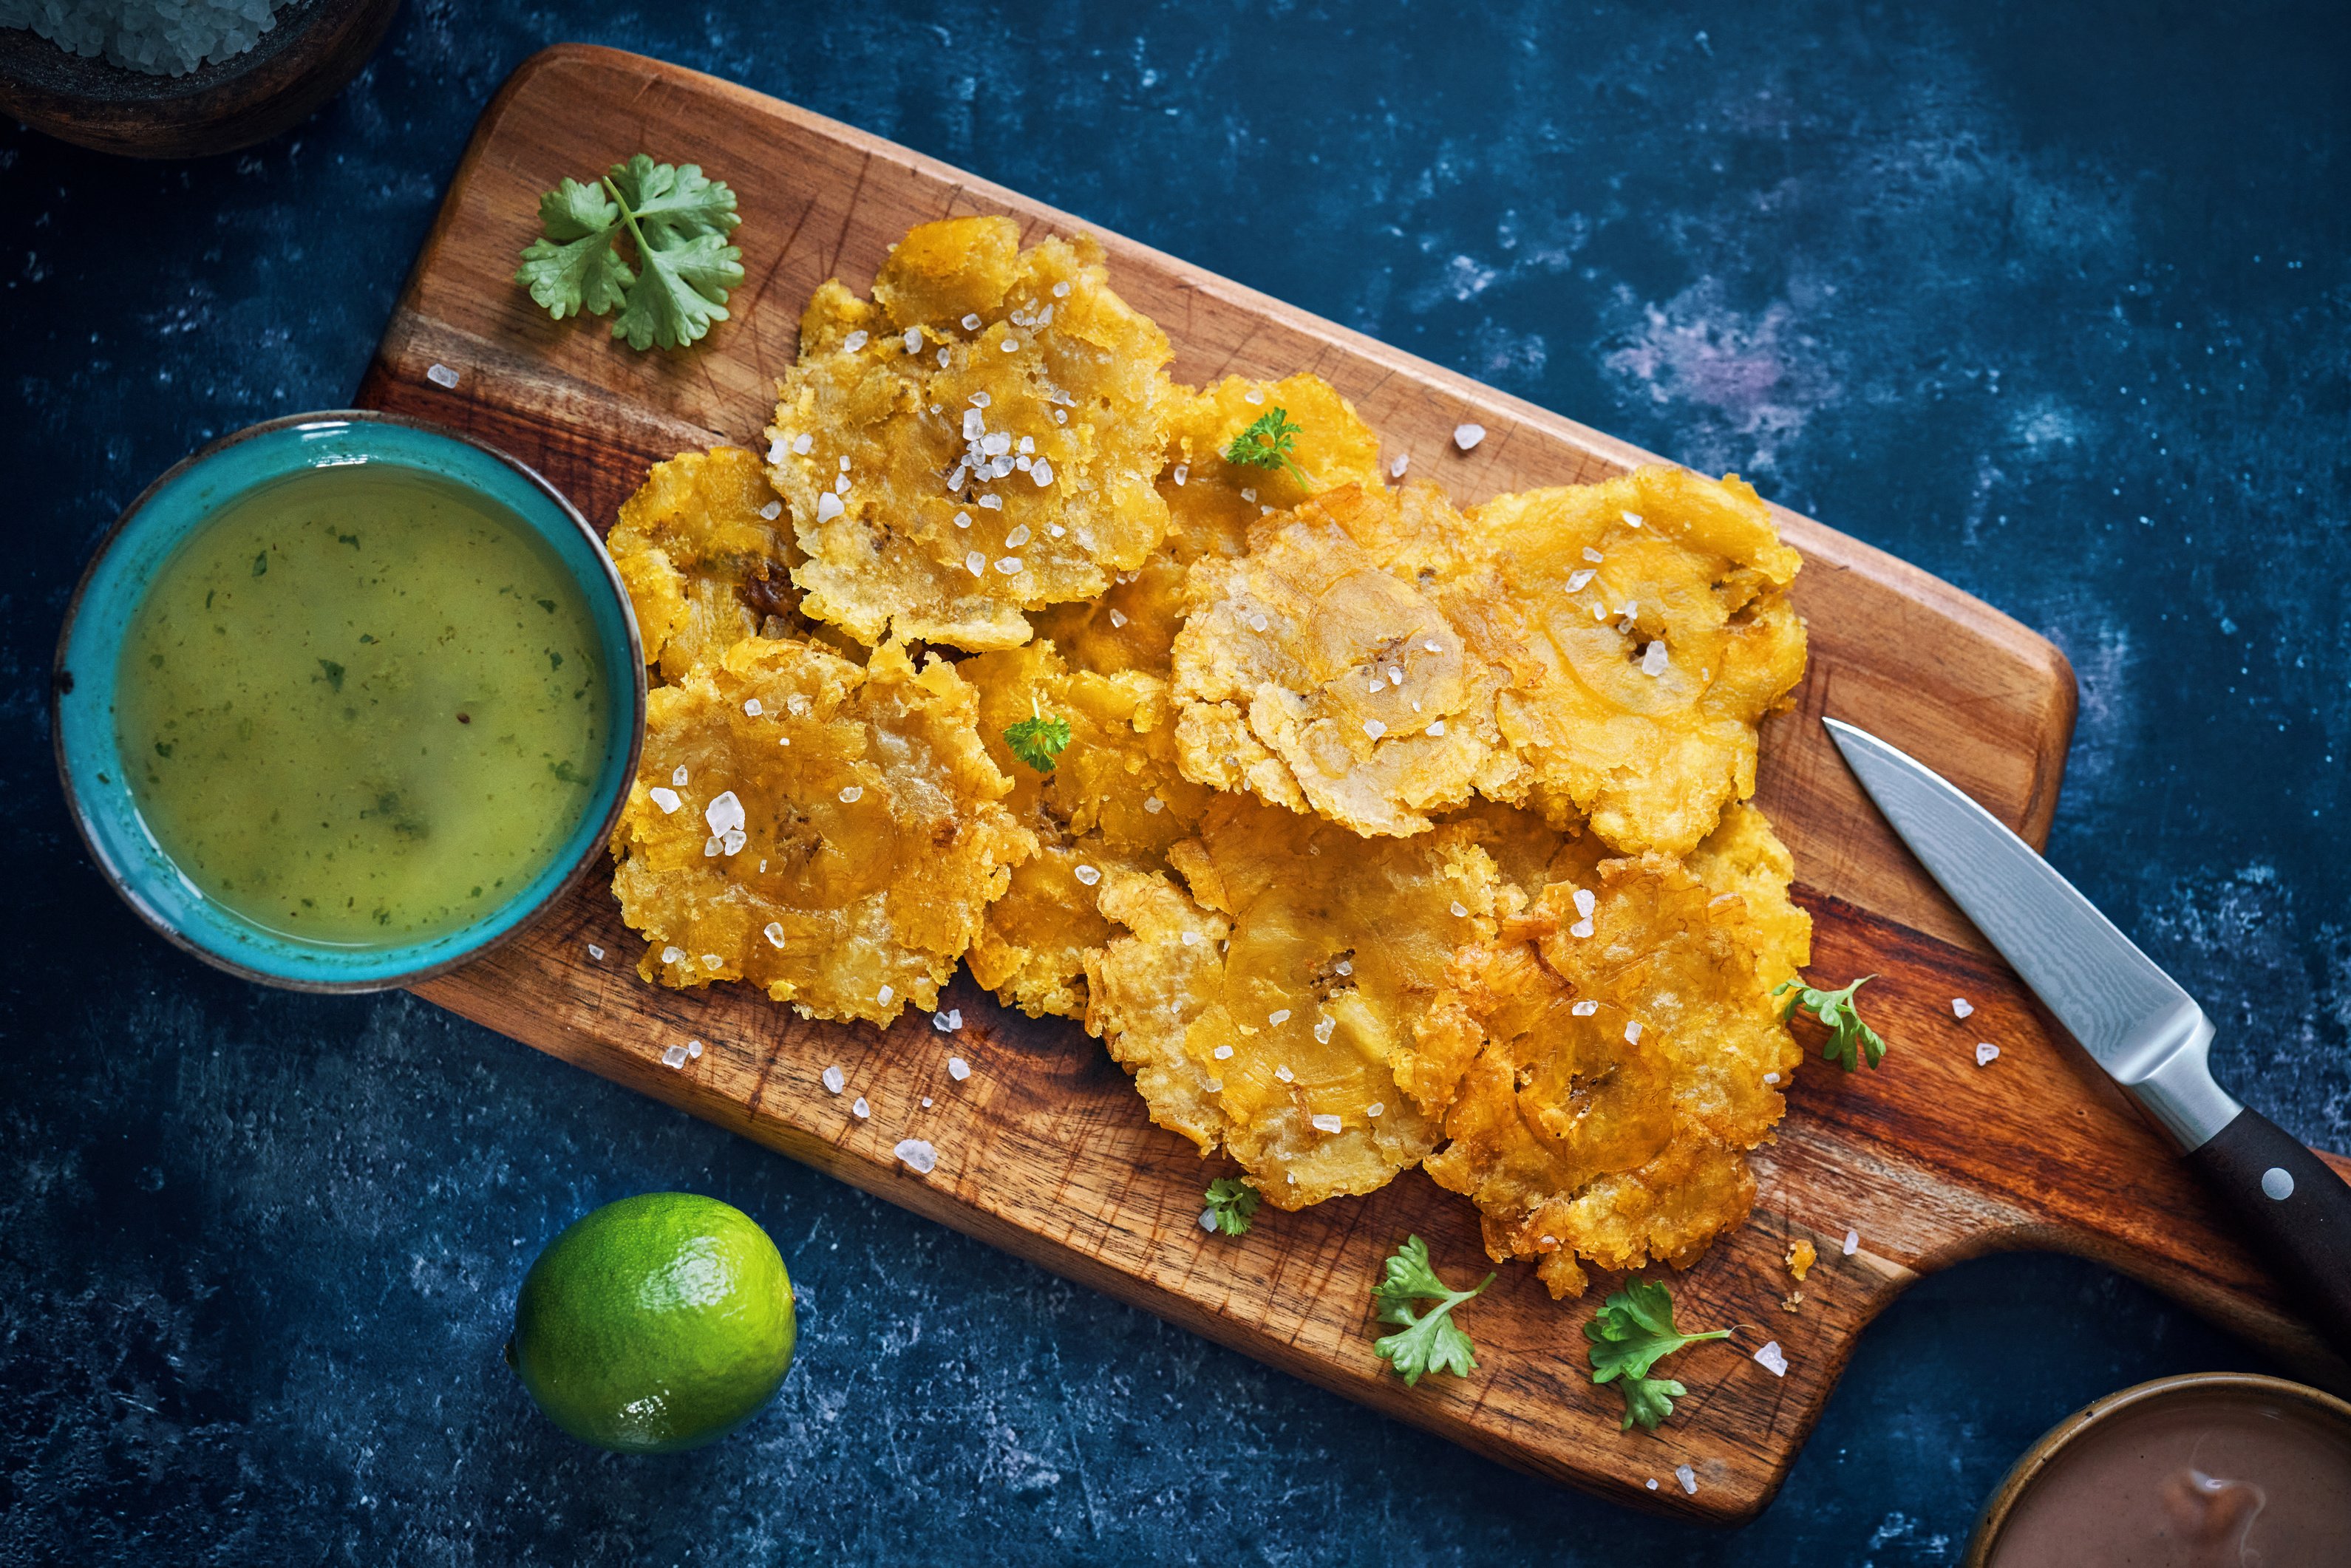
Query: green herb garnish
{"x": 1432, "y": 1343}
{"x": 1231, "y": 1201}
{"x": 1632, "y": 1331}
{"x": 1850, "y": 1041}
{"x": 1040, "y": 739}
{"x": 1267, "y": 443}
{"x": 678, "y": 222}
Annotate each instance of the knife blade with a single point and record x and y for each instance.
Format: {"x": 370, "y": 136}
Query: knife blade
{"x": 2133, "y": 1019}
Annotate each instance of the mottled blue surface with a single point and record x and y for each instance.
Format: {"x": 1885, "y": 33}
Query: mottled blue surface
{"x": 2050, "y": 298}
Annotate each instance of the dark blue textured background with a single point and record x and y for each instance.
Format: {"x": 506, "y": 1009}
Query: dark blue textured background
{"x": 2051, "y": 298}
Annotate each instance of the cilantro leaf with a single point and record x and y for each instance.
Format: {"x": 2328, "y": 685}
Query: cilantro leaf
{"x": 1632, "y": 1331}
{"x": 1040, "y": 739}
{"x": 1266, "y": 444}
{"x": 1427, "y": 1343}
{"x": 677, "y": 222}
{"x": 1232, "y": 1201}
{"x": 1850, "y": 1041}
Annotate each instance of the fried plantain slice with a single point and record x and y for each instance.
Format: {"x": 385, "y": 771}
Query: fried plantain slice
{"x": 704, "y": 557}
{"x": 1309, "y": 673}
{"x": 1627, "y": 1054}
{"x": 827, "y": 832}
{"x": 1211, "y": 502}
{"x": 1645, "y": 627}
{"x": 1266, "y": 1010}
{"x": 980, "y": 437}
{"x": 1114, "y": 801}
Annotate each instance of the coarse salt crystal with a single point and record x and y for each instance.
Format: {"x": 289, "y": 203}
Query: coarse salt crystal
{"x": 974, "y": 563}
{"x": 958, "y": 1069}
{"x": 912, "y": 340}
{"x": 861, "y": 1110}
{"x": 693, "y": 1048}
{"x": 1118, "y": 618}
{"x": 1153, "y": 804}
{"x": 1278, "y": 1016}
{"x": 1189, "y": 938}
{"x": 665, "y": 798}
{"x": 1208, "y": 1219}
{"x": 1326, "y": 1123}
{"x": 1061, "y": 290}
{"x": 1653, "y": 1483}
{"x": 1585, "y": 902}
{"x": 1466, "y": 436}
{"x": 828, "y": 507}
{"x": 1087, "y": 874}
{"x": 773, "y": 933}
{"x": 1437, "y": 727}
{"x": 1011, "y": 345}
{"x": 1018, "y": 537}
{"x": 1961, "y": 1006}
{"x": 917, "y": 1155}
{"x": 1254, "y": 395}
{"x": 1375, "y": 728}
{"x": 1009, "y": 565}
{"x": 845, "y": 462}
{"x": 1224, "y": 1053}
{"x": 1633, "y": 1031}
{"x": 1181, "y": 470}
{"x": 855, "y": 340}
{"x": 1688, "y": 1476}
{"x": 1257, "y": 623}
{"x": 886, "y": 995}
{"x": 1632, "y": 519}
{"x": 1247, "y": 494}
{"x": 674, "y": 1056}
{"x": 851, "y": 793}
{"x": 992, "y": 503}
{"x": 442, "y": 376}
{"x": 943, "y": 359}
{"x": 1985, "y": 1052}
{"x": 1283, "y": 1073}
{"x": 1344, "y": 966}
{"x": 595, "y": 952}
{"x": 712, "y": 962}
{"x": 971, "y": 322}
{"x": 1593, "y": 555}
{"x": 1584, "y": 1009}
{"x": 839, "y": 487}
{"x": 1653, "y": 659}
{"x": 1772, "y": 1359}
{"x": 927, "y": 1101}
{"x": 1459, "y": 909}
{"x": 1771, "y": 1078}
{"x": 724, "y": 813}
{"x": 673, "y": 955}
{"x": 1852, "y": 1242}
{"x": 754, "y": 708}
{"x": 1397, "y": 468}
{"x": 962, "y": 520}
{"x": 1576, "y": 579}
{"x": 1322, "y": 1028}
{"x": 1376, "y": 1108}
{"x": 835, "y": 1080}
{"x": 1581, "y": 928}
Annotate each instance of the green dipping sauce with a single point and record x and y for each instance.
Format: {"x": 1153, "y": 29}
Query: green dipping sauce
{"x": 362, "y": 706}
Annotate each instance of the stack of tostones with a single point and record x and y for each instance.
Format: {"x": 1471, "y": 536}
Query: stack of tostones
{"x": 1369, "y": 833}
{"x": 981, "y": 437}
{"x": 785, "y": 799}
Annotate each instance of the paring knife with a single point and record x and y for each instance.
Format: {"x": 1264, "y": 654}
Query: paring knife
{"x": 2131, "y": 1017}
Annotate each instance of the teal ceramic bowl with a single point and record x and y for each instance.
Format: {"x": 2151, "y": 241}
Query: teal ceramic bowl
{"x": 146, "y": 536}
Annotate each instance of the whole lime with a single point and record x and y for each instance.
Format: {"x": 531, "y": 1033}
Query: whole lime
{"x": 657, "y": 1324}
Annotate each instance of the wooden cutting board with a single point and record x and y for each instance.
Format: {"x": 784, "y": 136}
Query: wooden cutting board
{"x": 1045, "y": 1150}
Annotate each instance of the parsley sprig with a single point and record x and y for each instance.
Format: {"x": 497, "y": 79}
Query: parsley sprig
{"x": 1040, "y": 739}
{"x": 1632, "y": 1331}
{"x": 1266, "y": 444}
{"x": 1232, "y": 1200}
{"x": 1850, "y": 1041}
{"x": 678, "y": 222}
{"x": 1430, "y": 1342}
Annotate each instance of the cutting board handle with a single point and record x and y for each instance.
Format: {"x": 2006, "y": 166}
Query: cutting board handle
{"x": 2297, "y": 1210}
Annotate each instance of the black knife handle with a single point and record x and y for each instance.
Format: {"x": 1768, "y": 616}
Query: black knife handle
{"x": 2296, "y": 1208}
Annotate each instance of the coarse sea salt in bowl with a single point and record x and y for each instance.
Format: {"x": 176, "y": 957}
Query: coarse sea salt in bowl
{"x": 346, "y": 700}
